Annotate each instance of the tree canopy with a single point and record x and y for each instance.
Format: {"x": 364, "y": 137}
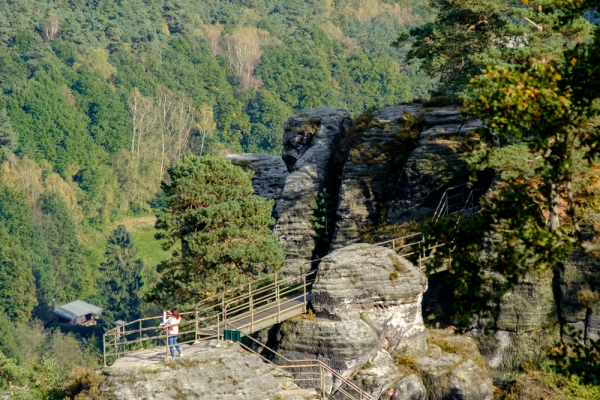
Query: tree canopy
{"x": 224, "y": 232}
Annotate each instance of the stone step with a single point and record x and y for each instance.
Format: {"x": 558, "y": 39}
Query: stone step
{"x": 300, "y": 394}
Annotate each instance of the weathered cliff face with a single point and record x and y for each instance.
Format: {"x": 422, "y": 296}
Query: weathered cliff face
{"x": 366, "y": 298}
{"x": 367, "y": 301}
{"x": 576, "y": 279}
{"x": 311, "y": 140}
{"x": 206, "y": 372}
{"x": 370, "y": 168}
{"x": 436, "y": 164}
{"x": 269, "y": 173}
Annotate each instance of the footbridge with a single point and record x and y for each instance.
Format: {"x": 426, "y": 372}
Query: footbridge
{"x": 257, "y": 305}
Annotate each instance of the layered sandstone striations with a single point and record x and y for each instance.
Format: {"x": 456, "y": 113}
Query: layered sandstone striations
{"x": 366, "y": 298}
{"x": 373, "y": 165}
{"x": 310, "y": 141}
{"x": 435, "y": 165}
{"x": 269, "y": 173}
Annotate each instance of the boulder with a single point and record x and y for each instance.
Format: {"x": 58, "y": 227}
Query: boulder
{"x": 205, "y": 373}
{"x": 382, "y": 373}
{"x": 435, "y": 165}
{"x": 376, "y": 285}
{"x": 311, "y": 140}
{"x": 366, "y": 298}
{"x": 370, "y": 172}
{"x": 343, "y": 345}
{"x": 453, "y": 373}
{"x": 269, "y": 173}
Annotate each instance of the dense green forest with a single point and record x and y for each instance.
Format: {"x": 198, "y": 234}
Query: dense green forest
{"x": 99, "y": 98}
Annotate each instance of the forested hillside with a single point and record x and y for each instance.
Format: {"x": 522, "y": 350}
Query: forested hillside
{"x": 99, "y": 98}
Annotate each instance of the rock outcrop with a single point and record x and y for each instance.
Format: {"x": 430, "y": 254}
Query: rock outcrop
{"x": 371, "y": 167}
{"x": 453, "y": 373}
{"x": 526, "y": 327}
{"x": 366, "y": 298}
{"x": 205, "y": 373}
{"x": 576, "y": 280}
{"x": 311, "y": 140}
{"x": 269, "y": 173}
{"x": 436, "y": 164}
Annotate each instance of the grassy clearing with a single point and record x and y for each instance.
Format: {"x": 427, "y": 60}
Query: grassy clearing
{"x": 149, "y": 249}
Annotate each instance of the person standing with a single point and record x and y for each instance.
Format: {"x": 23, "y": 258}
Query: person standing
{"x": 171, "y": 320}
{"x": 391, "y": 394}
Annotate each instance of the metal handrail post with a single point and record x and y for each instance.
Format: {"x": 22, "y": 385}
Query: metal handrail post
{"x": 304, "y": 298}
{"x": 218, "y": 331}
{"x": 278, "y": 304}
{"x": 196, "y": 316}
{"x": 104, "y": 347}
{"x": 167, "y": 342}
{"x": 322, "y": 382}
{"x": 251, "y": 307}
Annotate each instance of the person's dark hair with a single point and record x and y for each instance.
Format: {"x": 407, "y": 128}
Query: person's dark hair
{"x": 175, "y": 313}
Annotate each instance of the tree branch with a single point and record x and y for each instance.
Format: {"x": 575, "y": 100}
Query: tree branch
{"x": 538, "y": 27}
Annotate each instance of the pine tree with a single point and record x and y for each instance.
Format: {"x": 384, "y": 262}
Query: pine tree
{"x": 224, "y": 231}
{"x": 121, "y": 277}
{"x": 469, "y": 35}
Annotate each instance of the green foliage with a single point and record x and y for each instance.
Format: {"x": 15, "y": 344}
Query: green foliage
{"x": 469, "y": 35}
{"x": 224, "y": 232}
{"x": 120, "y": 288}
{"x": 324, "y": 216}
{"x": 8, "y": 345}
{"x": 516, "y": 241}
{"x": 16, "y": 277}
{"x": 579, "y": 359}
{"x": 9, "y": 139}
{"x": 70, "y": 275}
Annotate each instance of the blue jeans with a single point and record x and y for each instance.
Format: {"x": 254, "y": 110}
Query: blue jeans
{"x": 173, "y": 341}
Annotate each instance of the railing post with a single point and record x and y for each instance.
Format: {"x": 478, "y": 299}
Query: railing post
{"x": 322, "y": 378}
{"x": 304, "y": 298}
{"x": 278, "y": 304}
{"x": 196, "y": 316}
{"x": 104, "y": 347}
{"x": 141, "y": 334}
{"x": 394, "y": 245}
{"x": 218, "y": 331}
{"x": 167, "y": 343}
{"x": 251, "y": 308}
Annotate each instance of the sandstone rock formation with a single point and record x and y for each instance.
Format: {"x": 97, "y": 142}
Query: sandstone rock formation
{"x": 269, "y": 173}
{"x": 311, "y": 139}
{"x": 208, "y": 373}
{"x": 453, "y": 373}
{"x": 576, "y": 279}
{"x": 435, "y": 165}
{"x": 382, "y": 373}
{"x": 366, "y": 298}
{"x": 526, "y": 327}
{"x": 369, "y": 170}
